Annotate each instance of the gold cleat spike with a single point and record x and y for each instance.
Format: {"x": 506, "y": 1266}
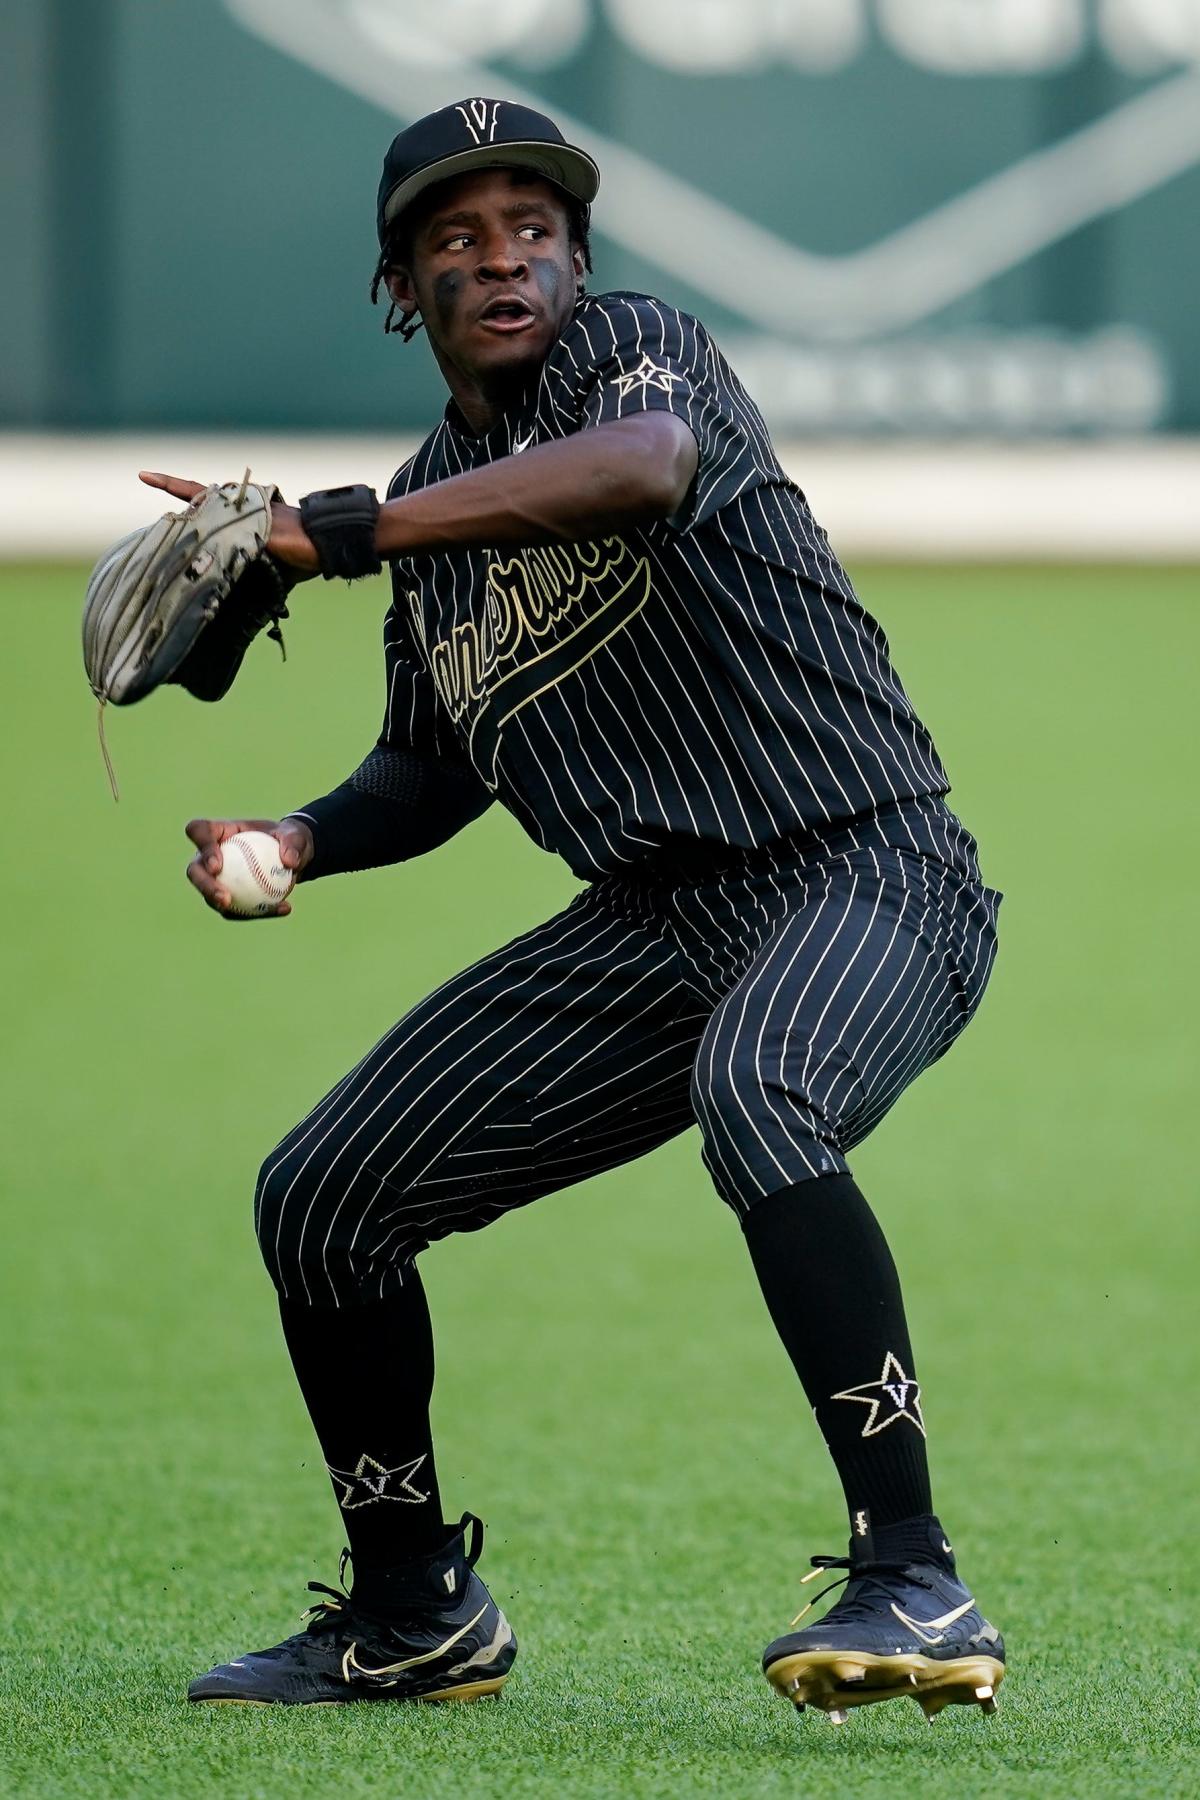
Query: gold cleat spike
{"x": 836, "y": 1682}
{"x": 470, "y": 1691}
{"x": 837, "y": 1715}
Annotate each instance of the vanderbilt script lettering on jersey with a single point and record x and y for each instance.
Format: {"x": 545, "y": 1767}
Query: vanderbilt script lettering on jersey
{"x": 546, "y": 611}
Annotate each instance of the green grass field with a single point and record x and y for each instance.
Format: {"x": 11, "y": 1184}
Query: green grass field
{"x": 610, "y": 1395}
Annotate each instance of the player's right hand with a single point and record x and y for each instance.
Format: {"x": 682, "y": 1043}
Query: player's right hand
{"x": 204, "y": 871}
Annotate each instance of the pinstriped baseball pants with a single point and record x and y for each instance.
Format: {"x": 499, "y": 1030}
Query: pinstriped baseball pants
{"x": 781, "y": 1006}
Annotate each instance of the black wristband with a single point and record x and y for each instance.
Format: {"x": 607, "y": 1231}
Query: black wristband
{"x": 341, "y": 523}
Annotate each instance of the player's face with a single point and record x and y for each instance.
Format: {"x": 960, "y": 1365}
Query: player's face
{"x": 493, "y": 272}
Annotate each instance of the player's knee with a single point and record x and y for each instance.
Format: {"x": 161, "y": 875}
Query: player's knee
{"x": 295, "y": 1204}
{"x": 269, "y": 1194}
{"x": 733, "y": 1094}
{"x": 722, "y": 1109}
{"x": 720, "y": 1094}
{"x": 760, "y": 1129}
{"x": 313, "y": 1216}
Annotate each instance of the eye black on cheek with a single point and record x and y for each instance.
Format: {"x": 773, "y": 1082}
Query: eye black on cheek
{"x": 548, "y": 276}
{"x": 446, "y": 289}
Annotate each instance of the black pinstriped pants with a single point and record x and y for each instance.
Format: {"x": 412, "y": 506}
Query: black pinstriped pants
{"x": 782, "y": 1006}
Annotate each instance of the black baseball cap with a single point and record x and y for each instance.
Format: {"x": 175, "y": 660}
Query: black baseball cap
{"x": 479, "y": 134}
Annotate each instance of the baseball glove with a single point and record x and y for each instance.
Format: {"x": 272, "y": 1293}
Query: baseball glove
{"x": 181, "y": 600}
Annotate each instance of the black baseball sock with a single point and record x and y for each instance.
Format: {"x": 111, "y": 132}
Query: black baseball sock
{"x": 831, "y": 1286}
{"x": 366, "y": 1373}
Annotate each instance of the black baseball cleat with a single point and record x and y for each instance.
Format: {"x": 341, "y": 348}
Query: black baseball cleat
{"x": 447, "y": 1640}
{"x": 900, "y": 1629}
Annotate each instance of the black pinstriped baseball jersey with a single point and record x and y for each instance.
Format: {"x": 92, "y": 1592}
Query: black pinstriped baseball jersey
{"x": 710, "y": 678}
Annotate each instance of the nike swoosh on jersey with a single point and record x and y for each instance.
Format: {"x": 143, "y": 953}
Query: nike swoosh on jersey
{"x": 520, "y": 444}
{"x": 932, "y": 1631}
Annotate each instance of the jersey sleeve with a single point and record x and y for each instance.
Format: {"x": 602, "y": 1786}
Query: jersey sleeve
{"x": 413, "y": 718}
{"x": 413, "y": 791}
{"x": 636, "y": 355}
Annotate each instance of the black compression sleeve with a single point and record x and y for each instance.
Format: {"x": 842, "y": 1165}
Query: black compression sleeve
{"x": 396, "y": 805}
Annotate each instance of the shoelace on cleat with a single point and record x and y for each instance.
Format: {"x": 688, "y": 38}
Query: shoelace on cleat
{"x": 334, "y": 1611}
{"x": 336, "y": 1607}
{"x": 869, "y": 1573}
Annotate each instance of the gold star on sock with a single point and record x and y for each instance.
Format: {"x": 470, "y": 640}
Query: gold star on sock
{"x": 894, "y": 1396}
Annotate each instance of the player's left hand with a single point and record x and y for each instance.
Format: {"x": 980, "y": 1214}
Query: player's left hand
{"x": 288, "y": 540}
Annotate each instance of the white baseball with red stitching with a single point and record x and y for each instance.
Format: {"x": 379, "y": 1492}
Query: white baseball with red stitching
{"x": 254, "y": 875}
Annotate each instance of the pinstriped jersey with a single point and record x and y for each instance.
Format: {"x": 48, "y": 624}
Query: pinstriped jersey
{"x": 708, "y": 679}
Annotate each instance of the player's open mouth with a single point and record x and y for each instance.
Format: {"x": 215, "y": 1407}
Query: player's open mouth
{"x": 507, "y": 315}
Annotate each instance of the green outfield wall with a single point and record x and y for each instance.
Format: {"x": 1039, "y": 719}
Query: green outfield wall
{"x": 933, "y": 216}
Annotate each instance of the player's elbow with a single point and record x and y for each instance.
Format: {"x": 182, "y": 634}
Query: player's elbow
{"x": 670, "y": 458}
{"x": 654, "y": 461}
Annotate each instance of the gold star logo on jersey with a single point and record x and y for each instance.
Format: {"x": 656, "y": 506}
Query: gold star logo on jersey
{"x": 647, "y": 375}
{"x": 369, "y": 1481}
{"x": 894, "y": 1396}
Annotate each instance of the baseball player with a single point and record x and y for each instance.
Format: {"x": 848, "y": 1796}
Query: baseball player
{"x": 614, "y": 614}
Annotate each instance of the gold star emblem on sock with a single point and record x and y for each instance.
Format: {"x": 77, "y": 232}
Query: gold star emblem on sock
{"x": 369, "y": 1481}
{"x": 894, "y": 1396}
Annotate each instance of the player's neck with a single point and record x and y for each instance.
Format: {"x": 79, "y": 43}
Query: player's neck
{"x": 482, "y": 404}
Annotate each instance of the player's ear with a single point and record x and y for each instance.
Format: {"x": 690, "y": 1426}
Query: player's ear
{"x": 400, "y": 288}
{"x": 403, "y": 294}
{"x": 580, "y": 268}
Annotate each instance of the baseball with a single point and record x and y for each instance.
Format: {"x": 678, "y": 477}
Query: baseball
{"x": 253, "y": 874}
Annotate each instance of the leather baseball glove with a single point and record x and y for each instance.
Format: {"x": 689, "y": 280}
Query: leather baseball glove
{"x": 182, "y": 600}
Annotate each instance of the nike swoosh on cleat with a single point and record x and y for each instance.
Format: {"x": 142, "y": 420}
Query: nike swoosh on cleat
{"x": 932, "y": 1631}
{"x": 350, "y": 1661}
{"x": 489, "y": 1652}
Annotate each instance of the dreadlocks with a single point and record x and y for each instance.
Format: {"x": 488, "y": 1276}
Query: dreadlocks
{"x": 397, "y": 248}
{"x": 393, "y": 252}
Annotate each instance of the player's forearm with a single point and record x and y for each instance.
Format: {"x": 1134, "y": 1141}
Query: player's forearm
{"x": 623, "y": 474}
{"x": 395, "y": 806}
